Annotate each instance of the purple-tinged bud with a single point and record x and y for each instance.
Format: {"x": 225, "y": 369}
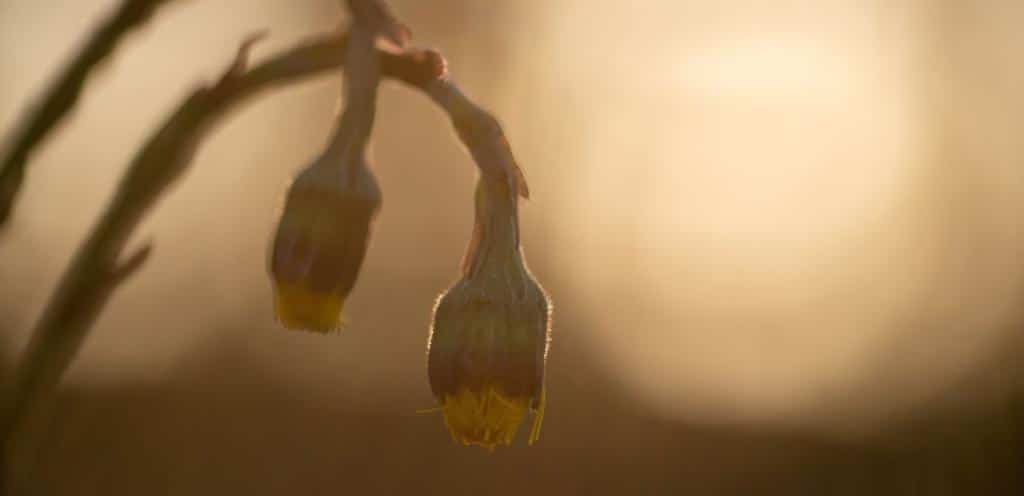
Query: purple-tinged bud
{"x": 325, "y": 227}
{"x": 320, "y": 245}
{"x": 489, "y": 339}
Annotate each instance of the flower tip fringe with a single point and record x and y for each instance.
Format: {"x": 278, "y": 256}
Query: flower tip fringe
{"x": 297, "y": 308}
{"x": 489, "y": 418}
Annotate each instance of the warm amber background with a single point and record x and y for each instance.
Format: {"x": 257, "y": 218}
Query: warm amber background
{"x": 781, "y": 237}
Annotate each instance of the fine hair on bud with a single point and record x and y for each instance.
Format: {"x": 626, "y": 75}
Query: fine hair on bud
{"x": 489, "y": 338}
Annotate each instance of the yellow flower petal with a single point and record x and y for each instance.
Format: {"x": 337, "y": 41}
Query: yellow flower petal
{"x": 486, "y": 418}
{"x": 538, "y": 416}
{"x": 298, "y": 307}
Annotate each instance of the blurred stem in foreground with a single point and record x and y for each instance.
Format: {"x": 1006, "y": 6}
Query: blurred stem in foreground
{"x": 100, "y": 266}
{"x": 40, "y": 119}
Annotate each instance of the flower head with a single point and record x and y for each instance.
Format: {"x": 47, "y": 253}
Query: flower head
{"x": 489, "y": 339}
{"x": 325, "y": 226}
{"x": 320, "y": 245}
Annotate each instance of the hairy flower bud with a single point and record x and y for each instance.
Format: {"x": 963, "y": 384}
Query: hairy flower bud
{"x": 320, "y": 245}
{"x": 489, "y": 339}
{"x": 325, "y": 226}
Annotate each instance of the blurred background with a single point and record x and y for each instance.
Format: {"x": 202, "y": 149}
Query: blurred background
{"x": 782, "y": 240}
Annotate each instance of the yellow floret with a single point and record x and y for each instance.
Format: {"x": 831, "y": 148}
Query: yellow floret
{"x": 488, "y": 417}
{"x": 298, "y": 307}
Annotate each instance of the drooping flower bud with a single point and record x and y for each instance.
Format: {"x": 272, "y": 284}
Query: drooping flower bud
{"x": 489, "y": 339}
{"x": 320, "y": 245}
{"x": 322, "y": 237}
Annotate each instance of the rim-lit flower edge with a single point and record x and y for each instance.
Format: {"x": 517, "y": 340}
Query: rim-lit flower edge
{"x": 490, "y": 333}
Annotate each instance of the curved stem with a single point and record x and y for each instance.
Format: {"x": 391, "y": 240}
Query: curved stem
{"x": 40, "y": 120}
{"x": 95, "y": 273}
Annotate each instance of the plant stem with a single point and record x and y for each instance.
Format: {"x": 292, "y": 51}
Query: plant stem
{"x": 95, "y": 272}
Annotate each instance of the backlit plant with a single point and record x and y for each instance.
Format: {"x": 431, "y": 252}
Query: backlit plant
{"x": 489, "y": 337}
